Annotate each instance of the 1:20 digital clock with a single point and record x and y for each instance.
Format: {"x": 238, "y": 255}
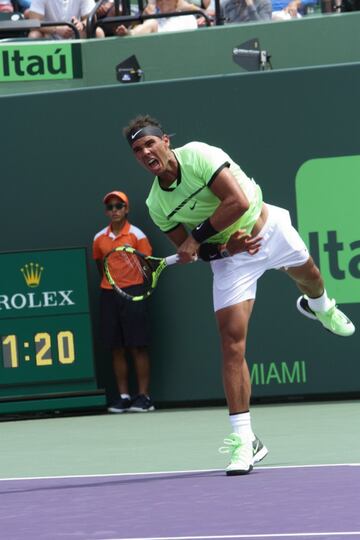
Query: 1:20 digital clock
{"x": 42, "y": 345}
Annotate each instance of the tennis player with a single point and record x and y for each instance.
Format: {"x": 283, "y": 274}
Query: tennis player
{"x": 207, "y": 206}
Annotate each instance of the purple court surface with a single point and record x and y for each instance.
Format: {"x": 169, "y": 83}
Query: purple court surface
{"x": 309, "y": 502}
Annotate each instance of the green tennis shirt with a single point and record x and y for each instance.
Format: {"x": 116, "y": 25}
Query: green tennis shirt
{"x": 189, "y": 200}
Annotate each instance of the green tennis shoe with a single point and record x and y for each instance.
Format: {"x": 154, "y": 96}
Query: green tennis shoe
{"x": 333, "y": 319}
{"x": 241, "y": 455}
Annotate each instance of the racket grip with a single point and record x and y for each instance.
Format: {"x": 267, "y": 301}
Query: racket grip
{"x": 172, "y": 259}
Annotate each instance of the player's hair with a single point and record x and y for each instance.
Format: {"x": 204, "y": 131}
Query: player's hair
{"x": 139, "y": 122}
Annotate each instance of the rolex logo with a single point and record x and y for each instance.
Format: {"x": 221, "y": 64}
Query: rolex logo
{"x": 32, "y": 274}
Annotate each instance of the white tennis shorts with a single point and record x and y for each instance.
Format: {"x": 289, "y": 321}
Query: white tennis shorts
{"x": 235, "y": 278}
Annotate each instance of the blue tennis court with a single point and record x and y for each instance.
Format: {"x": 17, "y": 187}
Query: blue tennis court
{"x": 277, "y": 500}
{"x": 281, "y": 502}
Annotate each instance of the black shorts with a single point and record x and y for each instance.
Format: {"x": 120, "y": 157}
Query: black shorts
{"x": 124, "y": 323}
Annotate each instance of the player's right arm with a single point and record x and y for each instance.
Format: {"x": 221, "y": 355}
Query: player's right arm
{"x": 178, "y": 236}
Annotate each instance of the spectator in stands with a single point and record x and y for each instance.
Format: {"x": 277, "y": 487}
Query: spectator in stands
{"x": 182, "y": 5}
{"x": 74, "y": 11}
{"x": 164, "y": 24}
{"x": 209, "y": 8}
{"x": 334, "y": 6}
{"x": 23, "y": 6}
{"x": 185, "y": 5}
{"x": 106, "y": 9}
{"x": 238, "y": 11}
{"x": 18, "y": 6}
{"x": 125, "y": 325}
{"x": 6, "y": 6}
{"x": 347, "y": 5}
{"x": 288, "y": 12}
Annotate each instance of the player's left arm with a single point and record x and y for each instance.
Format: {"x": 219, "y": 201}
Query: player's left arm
{"x": 233, "y": 204}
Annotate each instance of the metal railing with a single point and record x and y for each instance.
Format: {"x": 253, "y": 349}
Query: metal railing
{"x": 25, "y": 25}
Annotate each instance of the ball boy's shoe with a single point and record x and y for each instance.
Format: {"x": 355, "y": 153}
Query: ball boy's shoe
{"x": 142, "y": 403}
{"x": 120, "y": 406}
{"x": 333, "y": 319}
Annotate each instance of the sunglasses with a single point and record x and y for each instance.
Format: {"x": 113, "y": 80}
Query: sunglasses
{"x": 115, "y": 206}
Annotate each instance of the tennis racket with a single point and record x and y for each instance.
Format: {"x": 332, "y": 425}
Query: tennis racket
{"x": 124, "y": 264}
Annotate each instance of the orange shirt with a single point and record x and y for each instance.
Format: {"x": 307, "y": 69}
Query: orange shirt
{"x": 105, "y": 241}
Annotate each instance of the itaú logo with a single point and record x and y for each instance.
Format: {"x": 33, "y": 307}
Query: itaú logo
{"x": 34, "y": 62}
{"x": 30, "y": 300}
{"x": 327, "y": 200}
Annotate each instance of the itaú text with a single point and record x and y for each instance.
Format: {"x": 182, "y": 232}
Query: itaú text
{"x": 36, "y": 300}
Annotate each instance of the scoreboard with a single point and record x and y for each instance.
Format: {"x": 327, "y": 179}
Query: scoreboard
{"x": 46, "y": 344}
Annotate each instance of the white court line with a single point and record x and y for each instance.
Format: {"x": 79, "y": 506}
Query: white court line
{"x": 158, "y": 473}
{"x": 234, "y": 536}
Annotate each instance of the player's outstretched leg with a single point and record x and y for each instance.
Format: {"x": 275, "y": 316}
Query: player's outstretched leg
{"x": 332, "y": 319}
{"x": 315, "y": 303}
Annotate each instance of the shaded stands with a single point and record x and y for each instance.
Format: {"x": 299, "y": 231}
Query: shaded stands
{"x": 108, "y": 21}
{"x": 123, "y": 12}
{"x": 124, "y": 15}
{"x": 15, "y": 26}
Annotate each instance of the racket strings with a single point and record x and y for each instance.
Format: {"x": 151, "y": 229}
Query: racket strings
{"x": 141, "y": 265}
{"x": 129, "y": 268}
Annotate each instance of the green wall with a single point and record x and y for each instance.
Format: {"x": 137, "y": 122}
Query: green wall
{"x": 62, "y": 151}
{"x": 311, "y": 41}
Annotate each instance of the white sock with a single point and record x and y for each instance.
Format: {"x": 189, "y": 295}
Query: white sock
{"x": 241, "y": 425}
{"x": 322, "y": 303}
{"x": 124, "y": 396}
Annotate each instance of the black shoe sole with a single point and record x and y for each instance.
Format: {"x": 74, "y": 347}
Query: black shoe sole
{"x": 239, "y": 473}
{"x": 138, "y": 410}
